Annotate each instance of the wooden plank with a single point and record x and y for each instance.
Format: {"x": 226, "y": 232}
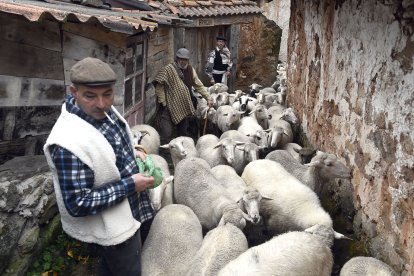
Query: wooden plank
{"x": 19, "y": 91}
{"x": 27, "y": 61}
{"x": 234, "y": 50}
{"x": 97, "y": 33}
{"x": 45, "y": 34}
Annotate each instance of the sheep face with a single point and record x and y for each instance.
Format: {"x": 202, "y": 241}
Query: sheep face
{"x": 250, "y": 151}
{"x": 276, "y": 135}
{"x": 261, "y": 139}
{"x": 232, "y": 214}
{"x": 289, "y": 116}
{"x": 330, "y": 166}
{"x": 227, "y": 148}
{"x": 250, "y": 202}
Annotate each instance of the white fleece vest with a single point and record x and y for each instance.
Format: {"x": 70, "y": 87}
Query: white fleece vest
{"x": 111, "y": 226}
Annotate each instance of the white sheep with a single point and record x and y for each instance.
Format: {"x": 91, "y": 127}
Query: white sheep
{"x": 146, "y": 136}
{"x": 287, "y": 130}
{"x": 180, "y": 148}
{"x": 234, "y": 97}
{"x": 220, "y": 99}
{"x": 173, "y": 240}
{"x": 366, "y": 266}
{"x": 322, "y": 168}
{"x": 294, "y": 206}
{"x": 237, "y": 149}
{"x": 227, "y": 117}
{"x": 203, "y": 111}
{"x": 262, "y": 115}
{"x": 280, "y": 112}
{"x": 162, "y": 195}
{"x": 209, "y": 150}
{"x": 245, "y": 103}
{"x": 304, "y": 253}
{"x": 254, "y": 88}
{"x": 218, "y": 88}
{"x": 301, "y": 154}
{"x": 220, "y": 246}
{"x": 248, "y": 198}
{"x": 196, "y": 187}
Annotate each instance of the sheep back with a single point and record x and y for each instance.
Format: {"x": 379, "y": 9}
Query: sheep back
{"x": 174, "y": 238}
{"x": 196, "y": 187}
{"x": 366, "y": 266}
{"x": 293, "y": 253}
{"x": 206, "y": 150}
{"x": 220, "y": 246}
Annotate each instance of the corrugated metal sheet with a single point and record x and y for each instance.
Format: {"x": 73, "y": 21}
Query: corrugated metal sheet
{"x": 118, "y": 20}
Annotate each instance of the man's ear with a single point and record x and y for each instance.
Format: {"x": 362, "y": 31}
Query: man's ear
{"x": 74, "y": 91}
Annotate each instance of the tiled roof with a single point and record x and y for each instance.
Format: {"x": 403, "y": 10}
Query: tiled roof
{"x": 211, "y": 8}
{"x": 130, "y": 21}
{"x": 118, "y": 20}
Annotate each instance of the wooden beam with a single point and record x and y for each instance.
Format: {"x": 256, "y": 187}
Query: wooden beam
{"x": 22, "y": 60}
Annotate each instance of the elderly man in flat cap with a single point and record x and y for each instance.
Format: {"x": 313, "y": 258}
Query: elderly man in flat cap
{"x": 219, "y": 63}
{"x": 173, "y": 87}
{"x": 101, "y": 195}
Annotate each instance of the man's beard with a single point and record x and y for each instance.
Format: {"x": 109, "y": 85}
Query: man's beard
{"x": 182, "y": 67}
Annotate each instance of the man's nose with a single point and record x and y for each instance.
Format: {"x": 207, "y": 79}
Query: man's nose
{"x": 100, "y": 102}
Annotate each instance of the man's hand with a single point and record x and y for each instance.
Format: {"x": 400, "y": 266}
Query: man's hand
{"x": 212, "y": 81}
{"x": 228, "y": 74}
{"x": 140, "y": 155}
{"x": 142, "y": 182}
{"x": 210, "y": 101}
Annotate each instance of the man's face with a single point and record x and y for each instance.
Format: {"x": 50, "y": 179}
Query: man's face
{"x": 182, "y": 63}
{"x": 94, "y": 101}
{"x": 220, "y": 44}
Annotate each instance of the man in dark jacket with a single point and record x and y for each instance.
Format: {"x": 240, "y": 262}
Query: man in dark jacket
{"x": 219, "y": 63}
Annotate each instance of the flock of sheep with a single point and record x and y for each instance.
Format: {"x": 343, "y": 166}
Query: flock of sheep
{"x": 246, "y": 176}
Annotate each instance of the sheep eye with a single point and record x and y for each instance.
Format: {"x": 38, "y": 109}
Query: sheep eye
{"x": 259, "y": 138}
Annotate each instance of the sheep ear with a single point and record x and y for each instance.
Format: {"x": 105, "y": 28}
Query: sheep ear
{"x": 222, "y": 222}
{"x": 166, "y": 146}
{"x": 313, "y": 164}
{"x": 219, "y": 144}
{"x": 339, "y": 236}
{"x": 266, "y": 198}
{"x": 169, "y": 179}
{"x": 247, "y": 217}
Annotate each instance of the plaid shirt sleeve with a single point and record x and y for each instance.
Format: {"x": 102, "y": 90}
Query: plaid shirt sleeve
{"x": 79, "y": 195}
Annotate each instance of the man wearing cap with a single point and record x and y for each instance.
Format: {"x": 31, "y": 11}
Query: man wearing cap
{"x": 100, "y": 193}
{"x": 219, "y": 63}
{"x": 173, "y": 87}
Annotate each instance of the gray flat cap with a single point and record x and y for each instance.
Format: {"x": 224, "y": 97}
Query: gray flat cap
{"x": 92, "y": 72}
{"x": 183, "y": 53}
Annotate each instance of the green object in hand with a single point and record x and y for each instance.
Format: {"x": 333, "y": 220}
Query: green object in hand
{"x": 148, "y": 168}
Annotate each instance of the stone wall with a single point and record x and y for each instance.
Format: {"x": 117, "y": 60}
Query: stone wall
{"x": 258, "y": 53}
{"x": 279, "y": 12}
{"x": 351, "y": 80}
{"x": 28, "y": 212}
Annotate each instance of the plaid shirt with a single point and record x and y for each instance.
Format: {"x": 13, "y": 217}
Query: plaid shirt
{"x": 80, "y": 196}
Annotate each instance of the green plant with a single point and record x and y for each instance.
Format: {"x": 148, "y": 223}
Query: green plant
{"x": 59, "y": 257}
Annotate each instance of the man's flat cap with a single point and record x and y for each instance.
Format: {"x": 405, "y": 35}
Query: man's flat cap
{"x": 221, "y": 38}
{"x": 92, "y": 72}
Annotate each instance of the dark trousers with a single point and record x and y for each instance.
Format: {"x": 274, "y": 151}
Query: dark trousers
{"x": 218, "y": 78}
{"x": 121, "y": 259}
{"x": 166, "y": 127}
